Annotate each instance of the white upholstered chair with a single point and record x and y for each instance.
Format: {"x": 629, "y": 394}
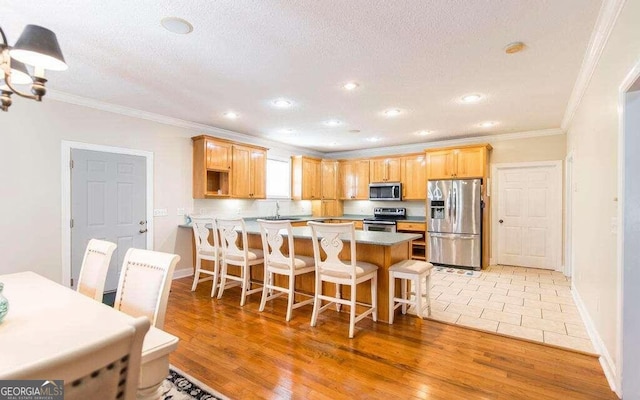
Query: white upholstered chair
{"x": 279, "y": 262}
{"x": 328, "y": 239}
{"x": 205, "y": 233}
{"x": 238, "y": 255}
{"x": 107, "y": 370}
{"x": 145, "y": 281}
{"x": 95, "y": 266}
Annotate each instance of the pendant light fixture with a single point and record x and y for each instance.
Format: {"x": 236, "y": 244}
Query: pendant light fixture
{"x": 37, "y": 47}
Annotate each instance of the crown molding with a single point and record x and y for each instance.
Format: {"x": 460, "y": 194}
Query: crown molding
{"x": 180, "y": 123}
{"x": 607, "y": 18}
{"x": 420, "y": 147}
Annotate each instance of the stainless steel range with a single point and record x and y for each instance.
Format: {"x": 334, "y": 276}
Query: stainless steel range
{"x": 384, "y": 219}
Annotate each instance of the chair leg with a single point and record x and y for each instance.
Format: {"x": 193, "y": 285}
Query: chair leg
{"x": 216, "y": 271}
{"x": 392, "y": 294}
{"x": 246, "y": 271}
{"x": 403, "y": 285}
{"x": 265, "y": 293}
{"x": 338, "y": 295}
{"x": 316, "y": 302}
{"x": 418, "y": 296}
{"x": 291, "y": 296}
{"x": 352, "y": 311}
{"x": 223, "y": 279}
{"x": 196, "y": 274}
{"x": 374, "y": 296}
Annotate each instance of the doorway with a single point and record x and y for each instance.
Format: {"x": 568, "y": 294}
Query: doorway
{"x": 527, "y": 214}
{"x": 629, "y": 236}
{"x": 107, "y": 194}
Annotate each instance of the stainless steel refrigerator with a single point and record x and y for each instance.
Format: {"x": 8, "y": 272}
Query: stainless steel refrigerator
{"x": 454, "y": 215}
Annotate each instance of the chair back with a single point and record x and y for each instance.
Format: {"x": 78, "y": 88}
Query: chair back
{"x": 95, "y": 266}
{"x": 205, "y": 233}
{"x": 231, "y": 250}
{"x": 273, "y": 243}
{"x": 144, "y": 285}
{"x": 328, "y": 238}
{"x": 109, "y": 369}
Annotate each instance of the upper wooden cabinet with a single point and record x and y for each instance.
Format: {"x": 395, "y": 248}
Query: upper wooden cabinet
{"x": 353, "y": 179}
{"x": 218, "y": 154}
{"x": 384, "y": 169}
{"x": 306, "y": 175}
{"x": 211, "y": 167}
{"x": 460, "y": 162}
{"x": 248, "y": 169}
{"x": 413, "y": 175}
{"x": 222, "y": 168}
{"x": 329, "y": 179}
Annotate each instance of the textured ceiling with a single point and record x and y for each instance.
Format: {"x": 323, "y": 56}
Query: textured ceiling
{"x": 416, "y": 55}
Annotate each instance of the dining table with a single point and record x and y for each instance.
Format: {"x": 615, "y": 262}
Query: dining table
{"x": 46, "y": 318}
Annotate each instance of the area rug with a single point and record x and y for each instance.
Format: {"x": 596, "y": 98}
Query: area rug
{"x": 182, "y": 386}
{"x": 458, "y": 271}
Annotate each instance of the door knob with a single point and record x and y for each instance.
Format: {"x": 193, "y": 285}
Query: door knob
{"x": 501, "y": 221}
{"x": 143, "y": 222}
{"x": 143, "y": 230}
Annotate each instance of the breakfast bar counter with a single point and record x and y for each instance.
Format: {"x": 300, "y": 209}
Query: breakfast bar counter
{"x": 380, "y": 248}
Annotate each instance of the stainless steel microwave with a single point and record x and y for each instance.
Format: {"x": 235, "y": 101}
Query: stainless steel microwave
{"x": 385, "y": 191}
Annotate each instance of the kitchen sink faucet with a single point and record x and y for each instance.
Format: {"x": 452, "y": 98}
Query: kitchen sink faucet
{"x": 277, "y": 209}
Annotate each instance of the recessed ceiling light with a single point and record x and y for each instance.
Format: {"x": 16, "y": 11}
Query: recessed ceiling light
{"x": 374, "y": 139}
{"x": 287, "y": 130}
{"x": 177, "y": 25}
{"x": 514, "y": 47}
{"x": 231, "y": 115}
{"x": 282, "y": 103}
{"x": 354, "y": 131}
{"x": 350, "y": 85}
{"x": 333, "y": 122}
{"x": 471, "y": 98}
{"x": 424, "y": 133}
{"x": 488, "y": 124}
{"x": 394, "y": 112}
{"x": 333, "y": 144}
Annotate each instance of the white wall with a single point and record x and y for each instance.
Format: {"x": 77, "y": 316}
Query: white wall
{"x": 592, "y": 137}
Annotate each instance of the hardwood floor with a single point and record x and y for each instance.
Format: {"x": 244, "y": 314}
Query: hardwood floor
{"x": 250, "y": 355}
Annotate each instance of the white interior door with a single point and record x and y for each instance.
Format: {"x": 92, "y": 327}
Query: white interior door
{"x": 108, "y": 202}
{"x": 529, "y": 216}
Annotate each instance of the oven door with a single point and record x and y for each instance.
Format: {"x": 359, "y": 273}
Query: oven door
{"x": 378, "y": 226}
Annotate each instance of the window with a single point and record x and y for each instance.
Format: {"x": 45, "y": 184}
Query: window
{"x": 278, "y": 178}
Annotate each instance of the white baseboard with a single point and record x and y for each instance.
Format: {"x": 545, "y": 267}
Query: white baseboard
{"x": 608, "y": 366}
{"x": 182, "y": 273}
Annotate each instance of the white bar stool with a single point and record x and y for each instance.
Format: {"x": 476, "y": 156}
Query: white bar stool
{"x": 417, "y": 272}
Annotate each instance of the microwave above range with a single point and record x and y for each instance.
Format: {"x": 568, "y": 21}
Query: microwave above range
{"x": 385, "y": 191}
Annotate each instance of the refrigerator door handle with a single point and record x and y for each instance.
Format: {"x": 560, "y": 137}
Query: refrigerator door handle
{"x": 455, "y": 206}
{"x": 452, "y": 236}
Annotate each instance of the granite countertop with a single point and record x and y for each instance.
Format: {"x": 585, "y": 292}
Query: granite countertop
{"x": 365, "y": 237}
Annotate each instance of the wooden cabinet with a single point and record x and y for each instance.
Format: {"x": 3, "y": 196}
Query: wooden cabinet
{"x": 418, "y": 246}
{"x": 384, "y": 169}
{"x": 329, "y": 179}
{"x": 211, "y": 167}
{"x": 460, "y": 162}
{"x": 248, "y": 168}
{"x": 306, "y": 177}
{"x": 353, "y": 179}
{"x": 413, "y": 175}
{"x": 327, "y": 208}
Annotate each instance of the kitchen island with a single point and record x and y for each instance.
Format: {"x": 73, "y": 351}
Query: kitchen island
{"x": 380, "y": 248}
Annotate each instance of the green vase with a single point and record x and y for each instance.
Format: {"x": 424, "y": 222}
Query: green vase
{"x": 4, "y": 303}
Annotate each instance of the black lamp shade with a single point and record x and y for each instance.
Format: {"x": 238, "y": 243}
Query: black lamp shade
{"x": 39, "y": 47}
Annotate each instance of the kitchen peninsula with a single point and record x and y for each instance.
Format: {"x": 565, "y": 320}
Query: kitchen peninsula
{"x": 380, "y": 248}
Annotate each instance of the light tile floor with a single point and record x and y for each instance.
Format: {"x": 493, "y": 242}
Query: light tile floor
{"x": 533, "y": 304}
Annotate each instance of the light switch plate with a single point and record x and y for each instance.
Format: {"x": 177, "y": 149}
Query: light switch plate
{"x": 181, "y": 211}
{"x": 160, "y": 212}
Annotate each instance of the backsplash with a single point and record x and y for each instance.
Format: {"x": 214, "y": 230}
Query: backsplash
{"x": 263, "y": 208}
{"x": 365, "y": 207}
{"x": 250, "y": 208}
